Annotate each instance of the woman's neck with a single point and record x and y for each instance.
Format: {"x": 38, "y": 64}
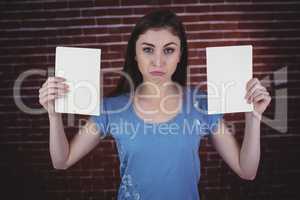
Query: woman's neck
{"x": 158, "y": 92}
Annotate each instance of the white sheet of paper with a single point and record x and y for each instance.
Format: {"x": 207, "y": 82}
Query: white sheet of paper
{"x": 229, "y": 68}
{"x": 81, "y": 69}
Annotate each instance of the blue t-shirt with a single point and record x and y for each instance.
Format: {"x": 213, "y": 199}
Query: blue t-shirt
{"x": 158, "y": 161}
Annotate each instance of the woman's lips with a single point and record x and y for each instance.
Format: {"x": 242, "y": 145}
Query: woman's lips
{"x": 157, "y": 73}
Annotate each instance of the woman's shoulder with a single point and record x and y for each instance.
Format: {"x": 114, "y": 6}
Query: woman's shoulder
{"x": 197, "y": 97}
{"x": 117, "y": 101}
{"x": 196, "y": 90}
{"x": 118, "y": 97}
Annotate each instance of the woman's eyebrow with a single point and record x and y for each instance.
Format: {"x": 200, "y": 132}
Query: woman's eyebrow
{"x": 146, "y": 43}
{"x": 170, "y": 44}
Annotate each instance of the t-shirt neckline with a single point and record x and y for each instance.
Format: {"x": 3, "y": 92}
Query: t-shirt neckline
{"x": 173, "y": 119}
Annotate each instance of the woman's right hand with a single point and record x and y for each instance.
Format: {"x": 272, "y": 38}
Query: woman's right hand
{"x": 51, "y": 89}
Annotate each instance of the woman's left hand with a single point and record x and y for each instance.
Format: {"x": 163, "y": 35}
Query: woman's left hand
{"x": 258, "y": 95}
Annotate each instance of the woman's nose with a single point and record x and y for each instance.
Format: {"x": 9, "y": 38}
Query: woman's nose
{"x": 158, "y": 60}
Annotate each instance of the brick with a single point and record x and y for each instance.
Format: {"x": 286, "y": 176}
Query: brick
{"x": 120, "y": 11}
{"x": 107, "y": 21}
{"x": 152, "y": 2}
{"x": 109, "y": 38}
{"x": 100, "y": 30}
{"x": 131, "y": 20}
{"x": 55, "y": 5}
{"x": 81, "y": 4}
{"x": 22, "y": 6}
{"x": 185, "y": 1}
{"x": 104, "y": 3}
{"x": 121, "y": 29}
{"x": 197, "y": 9}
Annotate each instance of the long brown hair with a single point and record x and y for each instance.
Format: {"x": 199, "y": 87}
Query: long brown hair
{"x": 156, "y": 19}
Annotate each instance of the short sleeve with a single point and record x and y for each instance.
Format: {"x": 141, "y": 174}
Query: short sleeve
{"x": 102, "y": 121}
{"x": 210, "y": 121}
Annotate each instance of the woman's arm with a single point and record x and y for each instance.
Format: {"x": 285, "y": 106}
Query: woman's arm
{"x": 58, "y": 143}
{"x": 235, "y": 156}
{"x": 244, "y": 161}
{"x": 250, "y": 150}
{"x": 62, "y": 153}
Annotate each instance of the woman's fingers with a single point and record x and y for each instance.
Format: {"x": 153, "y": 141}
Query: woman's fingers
{"x": 251, "y": 91}
{"x": 254, "y": 85}
{"x": 52, "y": 80}
{"x": 259, "y": 97}
{"x": 257, "y": 93}
{"x": 55, "y": 79}
{"x": 47, "y": 98}
{"x": 251, "y": 83}
{"x": 53, "y": 85}
{"x": 53, "y": 90}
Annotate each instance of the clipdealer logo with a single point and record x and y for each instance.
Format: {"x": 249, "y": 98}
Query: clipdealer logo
{"x": 277, "y": 81}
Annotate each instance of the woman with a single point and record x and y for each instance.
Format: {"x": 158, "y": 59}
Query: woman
{"x": 158, "y": 124}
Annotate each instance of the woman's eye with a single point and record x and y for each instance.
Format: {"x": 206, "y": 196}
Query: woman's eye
{"x": 169, "y": 50}
{"x": 148, "y": 50}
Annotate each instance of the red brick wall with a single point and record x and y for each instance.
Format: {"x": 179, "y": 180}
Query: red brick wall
{"x": 29, "y": 33}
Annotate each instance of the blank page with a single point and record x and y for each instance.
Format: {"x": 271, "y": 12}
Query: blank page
{"x": 81, "y": 68}
{"x": 229, "y": 69}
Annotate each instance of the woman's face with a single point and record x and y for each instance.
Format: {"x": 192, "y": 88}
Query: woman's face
{"x": 157, "y": 55}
